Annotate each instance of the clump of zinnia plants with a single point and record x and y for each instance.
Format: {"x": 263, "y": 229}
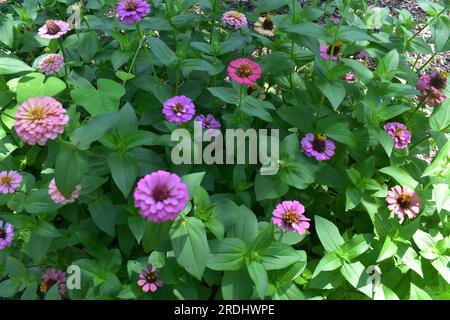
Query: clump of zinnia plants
{"x": 93, "y": 206}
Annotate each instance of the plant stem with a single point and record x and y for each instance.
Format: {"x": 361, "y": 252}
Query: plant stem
{"x": 241, "y": 96}
{"x": 420, "y": 105}
{"x": 424, "y": 26}
{"x": 142, "y": 35}
{"x": 64, "y": 55}
{"x": 322, "y": 97}
{"x": 427, "y": 62}
{"x": 419, "y": 142}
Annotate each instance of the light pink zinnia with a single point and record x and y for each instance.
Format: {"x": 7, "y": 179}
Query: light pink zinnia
{"x": 348, "y": 77}
{"x": 403, "y": 201}
{"x": 40, "y": 119}
{"x": 51, "y": 63}
{"x": 148, "y": 279}
{"x": 289, "y": 216}
{"x": 57, "y": 197}
{"x": 9, "y": 181}
{"x": 244, "y": 71}
{"x": 53, "y": 29}
{"x": 234, "y": 18}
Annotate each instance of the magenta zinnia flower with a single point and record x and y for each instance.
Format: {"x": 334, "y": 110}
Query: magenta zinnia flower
{"x": 208, "y": 122}
{"x": 318, "y": 146}
{"x": 53, "y": 276}
{"x": 53, "y": 29}
{"x": 244, "y": 71}
{"x": 40, "y": 119}
{"x": 57, "y": 197}
{"x": 131, "y": 11}
{"x": 51, "y": 64}
{"x": 179, "y": 109}
{"x": 9, "y": 181}
{"x": 435, "y": 97}
{"x": 361, "y": 55}
{"x": 6, "y": 234}
{"x": 430, "y": 85}
{"x": 325, "y": 51}
{"x": 148, "y": 279}
{"x": 160, "y": 196}
{"x": 403, "y": 201}
{"x": 399, "y": 133}
{"x": 234, "y": 18}
{"x": 289, "y": 216}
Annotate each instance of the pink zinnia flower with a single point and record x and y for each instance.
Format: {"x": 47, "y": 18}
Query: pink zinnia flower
{"x": 361, "y": 55}
{"x": 289, "y": 216}
{"x": 430, "y": 85}
{"x": 208, "y": 121}
{"x": 40, "y": 119}
{"x": 51, "y": 277}
{"x": 160, "y": 196}
{"x": 9, "y": 181}
{"x": 51, "y": 64}
{"x": 179, "y": 109}
{"x": 435, "y": 97}
{"x": 403, "y": 201}
{"x": 234, "y": 18}
{"x": 325, "y": 51}
{"x": 148, "y": 279}
{"x": 318, "y": 146}
{"x": 348, "y": 77}
{"x": 131, "y": 11}
{"x": 57, "y": 197}
{"x": 53, "y": 29}
{"x": 399, "y": 133}
{"x": 244, "y": 71}
{"x": 6, "y": 234}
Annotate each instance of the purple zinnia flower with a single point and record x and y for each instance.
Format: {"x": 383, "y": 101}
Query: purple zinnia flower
{"x": 131, "y": 11}
{"x": 53, "y": 276}
{"x": 234, "y": 18}
{"x": 53, "y": 29}
{"x": 318, "y": 146}
{"x": 148, "y": 279}
{"x": 179, "y": 109}
{"x": 6, "y": 234}
{"x": 403, "y": 201}
{"x": 348, "y": 77}
{"x": 289, "y": 216}
{"x": 160, "y": 196}
{"x": 399, "y": 133}
{"x": 51, "y": 64}
{"x": 361, "y": 55}
{"x": 325, "y": 51}
{"x": 9, "y": 181}
{"x": 208, "y": 121}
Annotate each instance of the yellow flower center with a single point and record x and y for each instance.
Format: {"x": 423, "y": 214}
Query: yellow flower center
{"x": 130, "y": 5}
{"x": 244, "y": 70}
{"x": 290, "y": 217}
{"x": 36, "y": 113}
{"x": 6, "y": 180}
{"x": 404, "y": 200}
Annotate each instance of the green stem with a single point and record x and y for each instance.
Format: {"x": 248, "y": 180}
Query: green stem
{"x": 241, "y": 96}
{"x": 419, "y": 142}
{"x": 424, "y": 26}
{"x": 142, "y": 35}
{"x": 65, "y": 57}
{"x": 293, "y": 11}
{"x": 134, "y": 59}
{"x": 420, "y": 105}
{"x": 427, "y": 62}
{"x": 322, "y": 97}
{"x": 291, "y": 79}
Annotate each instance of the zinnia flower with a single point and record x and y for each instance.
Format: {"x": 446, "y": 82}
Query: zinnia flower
{"x": 53, "y": 276}
{"x": 244, "y": 71}
{"x": 348, "y": 77}
{"x": 148, "y": 279}
{"x": 289, "y": 216}
{"x": 399, "y": 133}
{"x": 40, "y": 119}
{"x": 265, "y": 26}
{"x": 435, "y": 97}
{"x": 53, "y": 29}
{"x": 208, "y": 121}
{"x": 179, "y": 109}
{"x": 325, "y": 51}
{"x": 6, "y": 234}
{"x": 9, "y": 181}
{"x": 131, "y": 11}
{"x": 361, "y": 55}
{"x": 403, "y": 201}
{"x": 318, "y": 146}
{"x": 430, "y": 85}
{"x": 235, "y": 19}
{"x": 51, "y": 64}
{"x": 160, "y": 196}
{"x": 57, "y": 197}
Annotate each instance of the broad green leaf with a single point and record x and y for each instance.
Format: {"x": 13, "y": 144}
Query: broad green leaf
{"x": 236, "y": 285}
{"x": 278, "y": 256}
{"x": 401, "y": 176}
{"x": 328, "y": 234}
{"x": 259, "y": 276}
{"x": 227, "y": 95}
{"x": 69, "y": 160}
{"x": 7, "y": 30}
{"x": 329, "y": 262}
{"x": 334, "y": 91}
{"x": 155, "y": 234}
{"x": 123, "y": 168}
{"x": 12, "y": 66}
{"x": 162, "y": 52}
{"x": 104, "y": 215}
{"x": 227, "y": 254}
{"x": 193, "y": 181}
{"x": 388, "y": 249}
{"x": 417, "y": 293}
{"x": 356, "y": 275}
{"x": 36, "y": 85}
{"x": 384, "y": 139}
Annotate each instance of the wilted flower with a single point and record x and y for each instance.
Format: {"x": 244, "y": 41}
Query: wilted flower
{"x": 148, "y": 279}
{"x": 430, "y": 85}
{"x": 51, "y": 277}
{"x": 403, "y": 201}
{"x": 9, "y": 181}
{"x": 325, "y": 51}
{"x": 235, "y": 19}
{"x": 131, "y": 11}
{"x": 208, "y": 121}
{"x": 53, "y": 29}
{"x": 318, "y": 146}
{"x": 289, "y": 216}
{"x": 160, "y": 196}
{"x": 348, "y": 77}
{"x": 265, "y": 26}
{"x": 179, "y": 109}
{"x": 6, "y": 234}
{"x": 57, "y": 197}
{"x": 435, "y": 97}
{"x": 244, "y": 71}
{"x": 40, "y": 119}
{"x": 51, "y": 63}
{"x": 399, "y": 133}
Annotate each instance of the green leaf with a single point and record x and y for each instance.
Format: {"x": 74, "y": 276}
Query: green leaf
{"x": 7, "y": 30}
{"x": 164, "y": 54}
{"x": 12, "y": 66}
{"x": 8, "y": 288}
{"x": 245, "y": 225}
{"x": 190, "y": 245}
{"x": 384, "y": 139}
{"x": 137, "y": 227}
{"x": 124, "y": 76}
{"x": 123, "y": 168}
{"x": 278, "y": 256}
{"x": 259, "y": 276}
{"x": 441, "y": 265}
{"x": 193, "y": 181}
{"x": 360, "y": 69}
{"x": 401, "y": 176}
{"x": 340, "y": 133}
{"x": 155, "y": 234}
{"x": 307, "y": 29}
{"x": 334, "y": 91}
{"x": 103, "y": 214}
{"x": 388, "y": 65}
{"x": 98, "y": 101}
{"x": 356, "y": 275}
{"x": 227, "y": 95}
{"x": 351, "y": 34}
{"x": 329, "y": 262}
{"x": 256, "y": 108}
{"x": 441, "y": 31}
{"x": 39, "y": 202}
{"x": 227, "y": 254}
{"x": 388, "y": 249}
{"x": 53, "y": 293}
{"x": 36, "y": 85}
{"x": 328, "y": 234}
{"x": 236, "y": 285}
{"x": 417, "y": 293}
{"x": 71, "y": 160}
{"x": 278, "y": 188}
